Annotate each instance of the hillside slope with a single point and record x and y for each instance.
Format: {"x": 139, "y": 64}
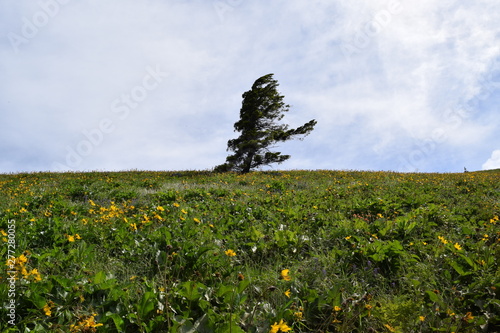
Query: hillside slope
{"x": 329, "y": 251}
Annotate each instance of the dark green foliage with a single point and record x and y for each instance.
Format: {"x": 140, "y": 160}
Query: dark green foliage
{"x": 364, "y": 251}
{"x": 261, "y": 111}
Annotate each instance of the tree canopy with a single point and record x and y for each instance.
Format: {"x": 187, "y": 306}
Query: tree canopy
{"x": 261, "y": 112}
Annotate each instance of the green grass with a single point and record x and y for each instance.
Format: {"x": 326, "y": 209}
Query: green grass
{"x": 150, "y": 252}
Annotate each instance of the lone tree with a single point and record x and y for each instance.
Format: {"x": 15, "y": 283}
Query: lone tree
{"x": 261, "y": 110}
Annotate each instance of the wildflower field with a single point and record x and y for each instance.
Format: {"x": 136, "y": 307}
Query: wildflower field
{"x": 292, "y": 251}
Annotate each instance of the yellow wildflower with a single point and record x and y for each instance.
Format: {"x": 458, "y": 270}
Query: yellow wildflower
{"x": 390, "y": 328}
{"x": 457, "y": 246}
{"x": 196, "y": 220}
{"x": 443, "y": 240}
{"x": 337, "y": 308}
{"x": 36, "y": 274}
{"x": 230, "y": 253}
{"x": 287, "y": 293}
{"x": 176, "y": 204}
{"x": 421, "y": 318}
{"x": 285, "y": 276}
{"x": 281, "y": 327}
{"x": 47, "y": 308}
{"x": 85, "y": 325}
{"x": 70, "y": 238}
{"x": 160, "y": 208}
{"x": 22, "y": 259}
{"x": 369, "y": 308}
{"x": 184, "y": 211}
{"x": 468, "y": 316}
{"x": 77, "y": 236}
{"x": 3, "y": 232}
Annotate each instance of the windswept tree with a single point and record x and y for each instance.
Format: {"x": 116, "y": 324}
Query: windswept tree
{"x": 260, "y": 114}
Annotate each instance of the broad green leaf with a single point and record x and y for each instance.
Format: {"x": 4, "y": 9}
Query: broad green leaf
{"x": 117, "y": 320}
{"x": 433, "y": 297}
{"x": 146, "y": 305}
{"x": 100, "y": 277}
{"x": 469, "y": 261}
{"x": 229, "y": 328}
{"x": 457, "y": 267}
{"x": 38, "y": 300}
{"x": 223, "y": 290}
{"x": 242, "y": 285}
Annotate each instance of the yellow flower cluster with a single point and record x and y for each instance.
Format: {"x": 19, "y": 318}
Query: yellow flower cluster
{"x": 47, "y": 308}
{"x": 18, "y": 265}
{"x": 4, "y": 234}
{"x": 87, "y": 324}
{"x": 106, "y": 214}
{"x": 71, "y": 238}
{"x": 443, "y": 240}
{"x": 280, "y": 327}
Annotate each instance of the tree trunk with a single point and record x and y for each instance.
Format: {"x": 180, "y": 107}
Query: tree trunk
{"x": 248, "y": 163}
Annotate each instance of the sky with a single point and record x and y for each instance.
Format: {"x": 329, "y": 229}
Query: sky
{"x": 407, "y": 86}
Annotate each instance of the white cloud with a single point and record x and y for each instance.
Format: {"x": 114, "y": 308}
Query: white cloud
{"x": 493, "y": 162}
{"x": 415, "y": 69}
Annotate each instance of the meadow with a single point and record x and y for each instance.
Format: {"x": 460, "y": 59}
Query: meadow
{"x": 291, "y": 251}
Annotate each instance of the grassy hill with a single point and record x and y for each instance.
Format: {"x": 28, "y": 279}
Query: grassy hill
{"x": 311, "y": 251}
{"x": 491, "y": 170}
